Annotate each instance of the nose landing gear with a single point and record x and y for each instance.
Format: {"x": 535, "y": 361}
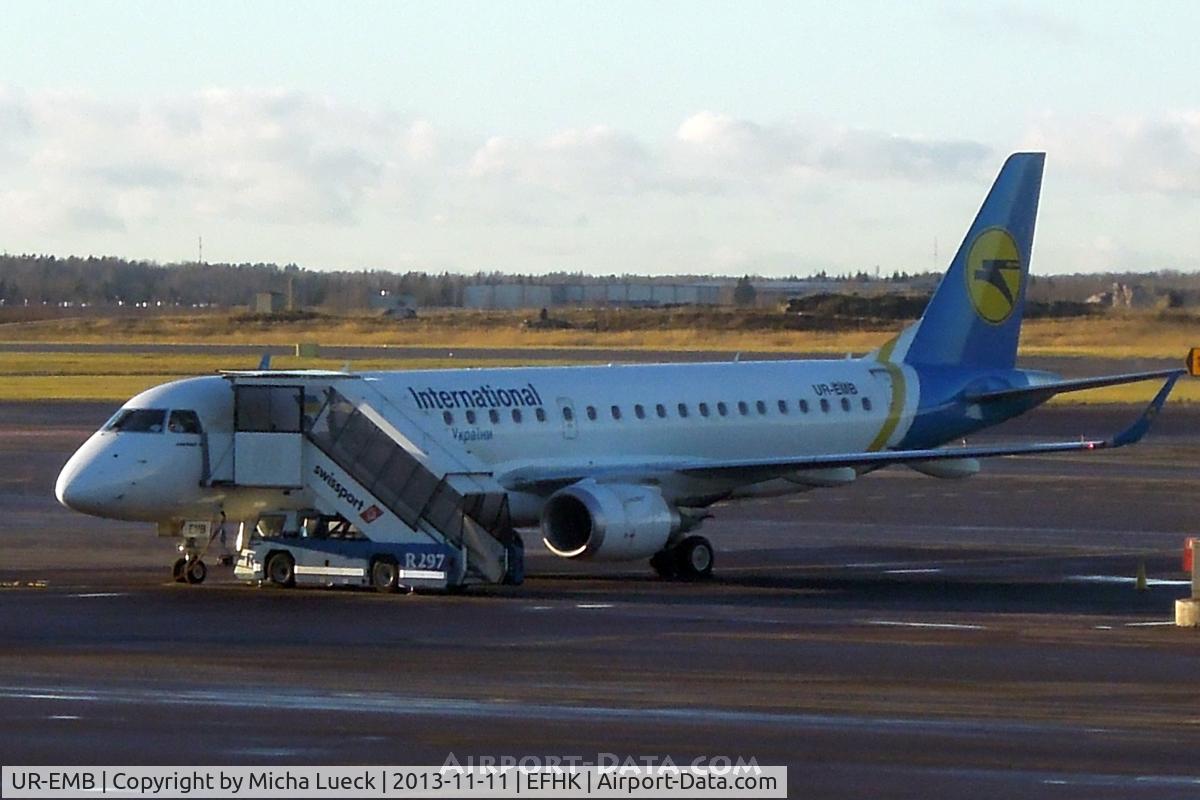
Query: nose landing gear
{"x": 190, "y": 567}
{"x": 189, "y": 570}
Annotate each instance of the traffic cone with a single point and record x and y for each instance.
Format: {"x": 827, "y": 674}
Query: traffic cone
{"x": 1141, "y": 576}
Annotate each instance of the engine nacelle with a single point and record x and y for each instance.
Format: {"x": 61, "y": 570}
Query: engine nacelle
{"x": 607, "y": 522}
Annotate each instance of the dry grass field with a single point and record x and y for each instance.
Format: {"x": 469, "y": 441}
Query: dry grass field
{"x": 119, "y": 376}
{"x": 66, "y": 375}
{"x": 1155, "y": 335}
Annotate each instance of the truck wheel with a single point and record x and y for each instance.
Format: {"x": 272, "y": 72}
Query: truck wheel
{"x": 196, "y": 572}
{"x": 281, "y": 569}
{"x": 385, "y": 575}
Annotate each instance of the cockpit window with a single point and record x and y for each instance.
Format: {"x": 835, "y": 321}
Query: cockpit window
{"x": 183, "y": 422}
{"x": 137, "y": 420}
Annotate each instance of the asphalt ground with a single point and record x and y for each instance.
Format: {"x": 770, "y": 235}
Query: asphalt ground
{"x": 901, "y": 637}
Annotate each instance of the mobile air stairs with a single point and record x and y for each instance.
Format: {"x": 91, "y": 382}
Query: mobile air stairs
{"x": 423, "y": 515}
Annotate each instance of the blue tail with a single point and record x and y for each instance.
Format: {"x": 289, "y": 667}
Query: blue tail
{"x": 974, "y": 317}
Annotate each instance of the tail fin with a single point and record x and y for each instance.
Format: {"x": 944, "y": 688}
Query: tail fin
{"x": 974, "y": 317}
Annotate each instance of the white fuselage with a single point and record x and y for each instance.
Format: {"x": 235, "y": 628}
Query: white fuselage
{"x": 729, "y": 410}
{"x": 591, "y": 416}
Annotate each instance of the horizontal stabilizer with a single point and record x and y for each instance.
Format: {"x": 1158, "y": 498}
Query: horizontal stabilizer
{"x": 1045, "y": 391}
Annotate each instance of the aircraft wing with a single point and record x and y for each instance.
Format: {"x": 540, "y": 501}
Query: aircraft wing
{"x": 1045, "y": 391}
{"x": 759, "y": 469}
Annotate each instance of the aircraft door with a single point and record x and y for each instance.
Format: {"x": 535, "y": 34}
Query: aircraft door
{"x": 267, "y": 439}
{"x": 567, "y": 411}
{"x": 881, "y": 387}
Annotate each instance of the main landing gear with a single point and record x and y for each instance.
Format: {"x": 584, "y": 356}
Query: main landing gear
{"x": 689, "y": 560}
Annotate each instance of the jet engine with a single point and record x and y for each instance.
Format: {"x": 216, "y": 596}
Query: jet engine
{"x": 608, "y": 522}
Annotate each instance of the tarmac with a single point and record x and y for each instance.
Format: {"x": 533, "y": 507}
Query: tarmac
{"x": 900, "y": 637}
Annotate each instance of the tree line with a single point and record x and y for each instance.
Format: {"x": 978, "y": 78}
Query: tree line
{"x": 110, "y": 281}
{"x": 107, "y": 280}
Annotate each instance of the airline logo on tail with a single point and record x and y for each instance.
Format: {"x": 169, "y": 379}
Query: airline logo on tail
{"x": 994, "y": 275}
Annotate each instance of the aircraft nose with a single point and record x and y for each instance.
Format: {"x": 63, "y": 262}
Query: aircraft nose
{"x": 71, "y": 489}
{"x": 62, "y": 487}
{"x": 81, "y": 488}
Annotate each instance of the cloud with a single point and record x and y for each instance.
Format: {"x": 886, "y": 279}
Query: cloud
{"x": 869, "y": 154}
{"x": 267, "y": 156}
{"x": 597, "y": 159}
{"x": 293, "y": 158}
{"x": 283, "y": 176}
{"x": 1146, "y": 154}
{"x": 716, "y": 145}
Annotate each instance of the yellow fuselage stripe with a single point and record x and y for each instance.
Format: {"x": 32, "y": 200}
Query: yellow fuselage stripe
{"x": 896, "y": 404}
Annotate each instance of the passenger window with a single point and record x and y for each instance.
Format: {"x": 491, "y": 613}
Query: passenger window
{"x": 783, "y": 409}
{"x": 137, "y": 420}
{"x": 447, "y": 417}
{"x": 661, "y": 410}
{"x": 471, "y": 417}
{"x": 616, "y": 412}
{"x": 845, "y": 404}
{"x": 704, "y": 409}
{"x": 516, "y": 415}
{"x": 639, "y": 411}
{"x": 683, "y": 410}
{"x": 803, "y": 406}
{"x": 866, "y": 404}
{"x": 743, "y": 409}
{"x": 824, "y": 405}
{"x": 540, "y": 413}
{"x": 722, "y": 409}
{"x": 761, "y": 406}
{"x": 494, "y": 415}
{"x": 184, "y": 422}
{"x": 568, "y": 414}
{"x": 591, "y": 412}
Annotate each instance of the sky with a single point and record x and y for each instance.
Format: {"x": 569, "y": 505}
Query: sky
{"x": 603, "y": 137}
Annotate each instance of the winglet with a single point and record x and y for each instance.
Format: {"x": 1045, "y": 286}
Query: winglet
{"x": 265, "y": 363}
{"x": 1137, "y": 430}
{"x": 1193, "y": 362}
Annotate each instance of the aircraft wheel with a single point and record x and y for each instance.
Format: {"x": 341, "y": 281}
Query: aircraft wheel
{"x": 663, "y": 563}
{"x": 196, "y": 572}
{"x": 177, "y": 570}
{"x": 281, "y": 569}
{"x": 385, "y": 575}
{"x": 694, "y": 558}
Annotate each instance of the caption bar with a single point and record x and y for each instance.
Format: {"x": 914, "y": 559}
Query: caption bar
{"x": 409, "y": 782}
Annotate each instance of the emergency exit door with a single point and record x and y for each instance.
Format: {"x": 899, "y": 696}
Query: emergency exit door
{"x": 268, "y": 439}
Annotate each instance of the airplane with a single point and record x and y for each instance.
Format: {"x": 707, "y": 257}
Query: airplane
{"x": 616, "y": 462}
